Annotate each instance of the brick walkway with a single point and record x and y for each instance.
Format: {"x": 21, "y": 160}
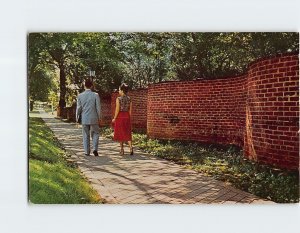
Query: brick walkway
{"x": 142, "y": 179}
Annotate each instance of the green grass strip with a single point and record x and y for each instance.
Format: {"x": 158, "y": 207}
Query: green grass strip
{"x": 55, "y": 183}
{"x": 52, "y": 180}
{"x": 42, "y": 143}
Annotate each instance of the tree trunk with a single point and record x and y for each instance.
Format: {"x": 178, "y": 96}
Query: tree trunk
{"x": 62, "y": 86}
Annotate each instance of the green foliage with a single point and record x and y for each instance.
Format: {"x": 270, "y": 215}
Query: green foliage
{"x": 40, "y": 85}
{"x": 225, "y": 163}
{"x": 146, "y": 57}
{"x": 211, "y": 55}
{"x": 100, "y": 54}
{"x": 141, "y": 59}
{"x": 51, "y": 178}
{"x": 107, "y": 132}
{"x": 53, "y": 98}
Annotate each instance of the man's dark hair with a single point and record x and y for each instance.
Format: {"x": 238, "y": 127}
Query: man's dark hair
{"x": 124, "y": 88}
{"x": 88, "y": 83}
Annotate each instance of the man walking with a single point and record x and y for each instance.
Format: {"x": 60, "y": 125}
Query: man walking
{"x": 88, "y": 108}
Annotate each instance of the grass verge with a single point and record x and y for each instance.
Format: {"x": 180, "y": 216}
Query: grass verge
{"x": 225, "y": 163}
{"x": 52, "y": 180}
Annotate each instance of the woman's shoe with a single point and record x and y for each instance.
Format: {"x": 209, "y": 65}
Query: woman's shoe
{"x": 131, "y": 152}
{"x": 122, "y": 152}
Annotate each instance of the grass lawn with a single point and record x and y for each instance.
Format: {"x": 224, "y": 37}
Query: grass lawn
{"x": 225, "y": 163}
{"x": 52, "y": 180}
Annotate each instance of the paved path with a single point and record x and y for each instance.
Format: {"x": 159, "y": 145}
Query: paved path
{"x": 142, "y": 179}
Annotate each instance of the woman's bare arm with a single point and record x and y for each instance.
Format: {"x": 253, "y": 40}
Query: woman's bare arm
{"x": 117, "y": 109}
{"x": 130, "y": 109}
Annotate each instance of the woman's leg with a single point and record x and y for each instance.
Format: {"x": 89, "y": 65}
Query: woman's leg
{"x": 130, "y": 146}
{"x": 122, "y": 148}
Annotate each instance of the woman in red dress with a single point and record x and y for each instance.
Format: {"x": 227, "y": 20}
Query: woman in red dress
{"x": 122, "y": 119}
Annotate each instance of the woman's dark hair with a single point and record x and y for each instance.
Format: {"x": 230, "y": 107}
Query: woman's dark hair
{"x": 124, "y": 88}
{"x": 88, "y": 83}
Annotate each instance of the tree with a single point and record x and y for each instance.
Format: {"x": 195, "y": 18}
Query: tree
{"x": 100, "y": 55}
{"x": 146, "y": 57}
{"x": 56, "y": 49}
{"x": 40, "y": 85}
{"x": 210, "y": 55}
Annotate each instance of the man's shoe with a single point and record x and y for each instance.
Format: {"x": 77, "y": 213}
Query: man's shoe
{"x": 95, "y": 153}
{"x": 87, "y": 154}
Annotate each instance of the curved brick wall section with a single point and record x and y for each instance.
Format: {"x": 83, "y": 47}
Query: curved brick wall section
{"x": 202, "y": 110}
{"x": 272, "y": 112}
{"x": 139, "y": 108}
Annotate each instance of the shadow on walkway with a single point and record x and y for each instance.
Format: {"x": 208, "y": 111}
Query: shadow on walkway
{"x": 141, "y": 179}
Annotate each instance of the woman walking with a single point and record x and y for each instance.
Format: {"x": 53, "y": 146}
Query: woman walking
{"x": 122, "y": 119}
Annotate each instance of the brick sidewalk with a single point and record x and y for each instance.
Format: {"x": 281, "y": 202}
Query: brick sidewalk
{"x": 142, "y": 179}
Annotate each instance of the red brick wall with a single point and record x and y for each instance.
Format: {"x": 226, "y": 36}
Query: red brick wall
{"x": 139, "y": 108}
{"x": 258, "y": 111}
{"x": 202, "y": 110}
{"x": 272, "y": 111}
{"x": 105, "y": 110}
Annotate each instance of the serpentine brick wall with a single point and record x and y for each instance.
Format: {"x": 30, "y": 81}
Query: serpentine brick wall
{"x": 258, "y": 111}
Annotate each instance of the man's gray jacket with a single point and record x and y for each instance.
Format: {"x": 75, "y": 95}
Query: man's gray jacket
{"x": 88, "y": 106}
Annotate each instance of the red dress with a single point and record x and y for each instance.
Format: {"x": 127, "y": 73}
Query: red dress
{"x": 122, "y": 127}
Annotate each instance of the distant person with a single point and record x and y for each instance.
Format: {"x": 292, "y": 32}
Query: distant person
{"x": 122, "y": 119}
{"x": 88, "y": 110}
